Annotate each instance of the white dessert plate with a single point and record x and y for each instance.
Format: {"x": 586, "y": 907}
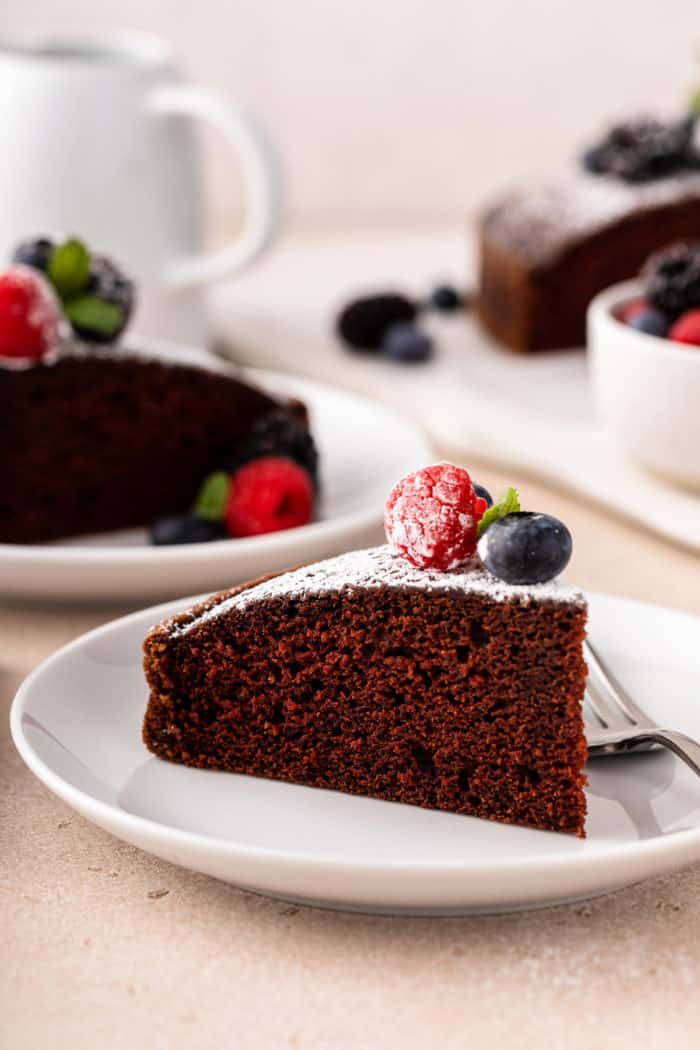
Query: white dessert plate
{"x": 77, "y": 719}
{"x": 364, "y": 449}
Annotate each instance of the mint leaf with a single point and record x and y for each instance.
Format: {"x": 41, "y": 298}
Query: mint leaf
{"x": 508, "y": 505}
{"x": 213, "y": 496}
{"x": 95, "y": 315}
{"x": 695, "y": 102}
{"x": 69, "y": 268}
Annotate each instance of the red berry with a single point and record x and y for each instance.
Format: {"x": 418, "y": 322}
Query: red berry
{"x": 31, "y": 320}
{"x": 687, "y": 328}
{"x": 268, "y": 494}
{"x": 631, "y": 309}
{"x": 431, "y": 517}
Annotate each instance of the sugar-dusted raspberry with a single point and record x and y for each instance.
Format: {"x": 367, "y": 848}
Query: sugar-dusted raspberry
{"x": 267, "y": 495}
{"x": 431, "y": 517}
{"x": 31, "y": 319}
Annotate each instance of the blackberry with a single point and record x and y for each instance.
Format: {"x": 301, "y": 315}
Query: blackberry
{"x": 644, "y": 149}
{"x": 673, "y": 279}
{"x": 363, "y": 323}
{"x": 34, "y": 252}
{"x": 278, "y": 434}
{"x": 109, "y": 284}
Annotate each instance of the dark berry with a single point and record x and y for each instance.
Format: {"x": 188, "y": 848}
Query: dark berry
{"x": 406, "y": 343}
{"x": 650, "y": 321}
{"x": 526, "y": 547}
{"x": 185, "y": 528}
{"x": 673, "y": 279}
{"x": 363, "y": 323}
{"x": 445, "y": 298}
{"x": 279, "y": 434}
{"x": 484, "y": 494}
{"x": 644, "y": 149}
{"x": 34, "y": 252}
{"x": 109, "y": 284}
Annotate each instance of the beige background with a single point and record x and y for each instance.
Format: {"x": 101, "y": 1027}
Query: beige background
{"x": 104, "y": 947}
{"x": 394, "y": 110}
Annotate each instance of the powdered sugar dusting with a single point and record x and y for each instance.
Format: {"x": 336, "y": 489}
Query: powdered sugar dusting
{"x": 538, "y": 223}
{"x": 378, "y": 567}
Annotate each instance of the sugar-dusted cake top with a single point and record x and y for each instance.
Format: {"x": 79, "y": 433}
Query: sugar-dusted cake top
{"x": 378, "y": 567}
{"x": 540, "y": 222}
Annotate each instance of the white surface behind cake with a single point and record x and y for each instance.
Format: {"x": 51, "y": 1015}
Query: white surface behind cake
{"x": 531, "y": 412}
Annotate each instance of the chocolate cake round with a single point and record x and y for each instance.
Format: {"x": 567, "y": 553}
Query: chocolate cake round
{"x": 95, "y": 440}
{"x": 449, "y": 690}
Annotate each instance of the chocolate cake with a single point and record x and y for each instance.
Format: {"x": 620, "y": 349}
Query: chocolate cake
{"x": 450, "y": 690}
{"x": 547, "y": 251}
{"x": 95, "y": 440}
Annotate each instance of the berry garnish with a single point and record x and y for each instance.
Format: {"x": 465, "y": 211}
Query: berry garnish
{"x": 267, "y": 495}
{"x": 673, "y": 279}
{"x": 363, "y": 323}
{"x": 483, "y": 494}
{"x": 279, "y": 434}
{"x": 34, "y": 252}
{"x": 445, "y": 298}
{"x": 651, "y": 321}
{"x": 687, "y": 329}
{"x": 185, "y": 528}
{"x": 627, "y": 311}
{"x": 644, "y": 149}
{"x": 525, "y": 547}
{"x": 406, "y": 343}
{"x": 97, "y": 296}
{"x": 102, "y": 311}
{"x": 31, "y": 322}
{"x": 431, "y": 517}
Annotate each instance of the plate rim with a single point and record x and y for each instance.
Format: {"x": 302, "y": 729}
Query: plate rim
{"x": 75, "y": 554}
{"x": 683, "y": 845}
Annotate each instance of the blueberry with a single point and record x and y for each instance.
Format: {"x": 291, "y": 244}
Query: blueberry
{"x": 408, "y": 344}
{"x": 650, "y": 321}
{"x": 483, "y": 493}
{"x": 34, "y": 252}
{"x": 185, "y": 528}
{"x": 111, "y": 285}
{"x": 363, "y": 323}
{"x": 526, "y": 547}
{"x": 445, "y": 298}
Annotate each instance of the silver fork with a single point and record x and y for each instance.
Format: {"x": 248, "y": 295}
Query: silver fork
{"x": 622, "y": 726}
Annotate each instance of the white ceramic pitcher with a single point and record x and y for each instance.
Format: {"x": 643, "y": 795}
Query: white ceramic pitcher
{"x": 97, "y": 141}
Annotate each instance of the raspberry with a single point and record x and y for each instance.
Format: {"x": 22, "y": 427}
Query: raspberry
{"x": 267, "y": 495}
{"x": 431, "y": 517}
{"x": 31, "y": 321}
{"x": 687, "y": 328}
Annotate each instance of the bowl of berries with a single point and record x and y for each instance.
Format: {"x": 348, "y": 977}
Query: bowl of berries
{"x": 644, "y": 354}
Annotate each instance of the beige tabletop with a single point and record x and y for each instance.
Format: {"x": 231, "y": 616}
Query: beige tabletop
{"x": 104, "y": 947}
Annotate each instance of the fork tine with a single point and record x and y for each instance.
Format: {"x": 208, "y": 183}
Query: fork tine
{"x": 605, "y": 710}
{"x": 616, "y": 693}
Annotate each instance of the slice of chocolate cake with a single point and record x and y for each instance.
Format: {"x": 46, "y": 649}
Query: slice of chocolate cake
{"x": 96, "y": 440}
{"x": 547, "y": 251}
{"x": 451, "y": 690}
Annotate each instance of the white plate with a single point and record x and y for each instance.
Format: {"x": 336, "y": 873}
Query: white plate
{"x": 77, "y": 719}
{"x": 364, "y": 449}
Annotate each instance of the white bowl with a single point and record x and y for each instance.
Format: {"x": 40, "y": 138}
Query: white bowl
{"x": 647, "y": 389}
